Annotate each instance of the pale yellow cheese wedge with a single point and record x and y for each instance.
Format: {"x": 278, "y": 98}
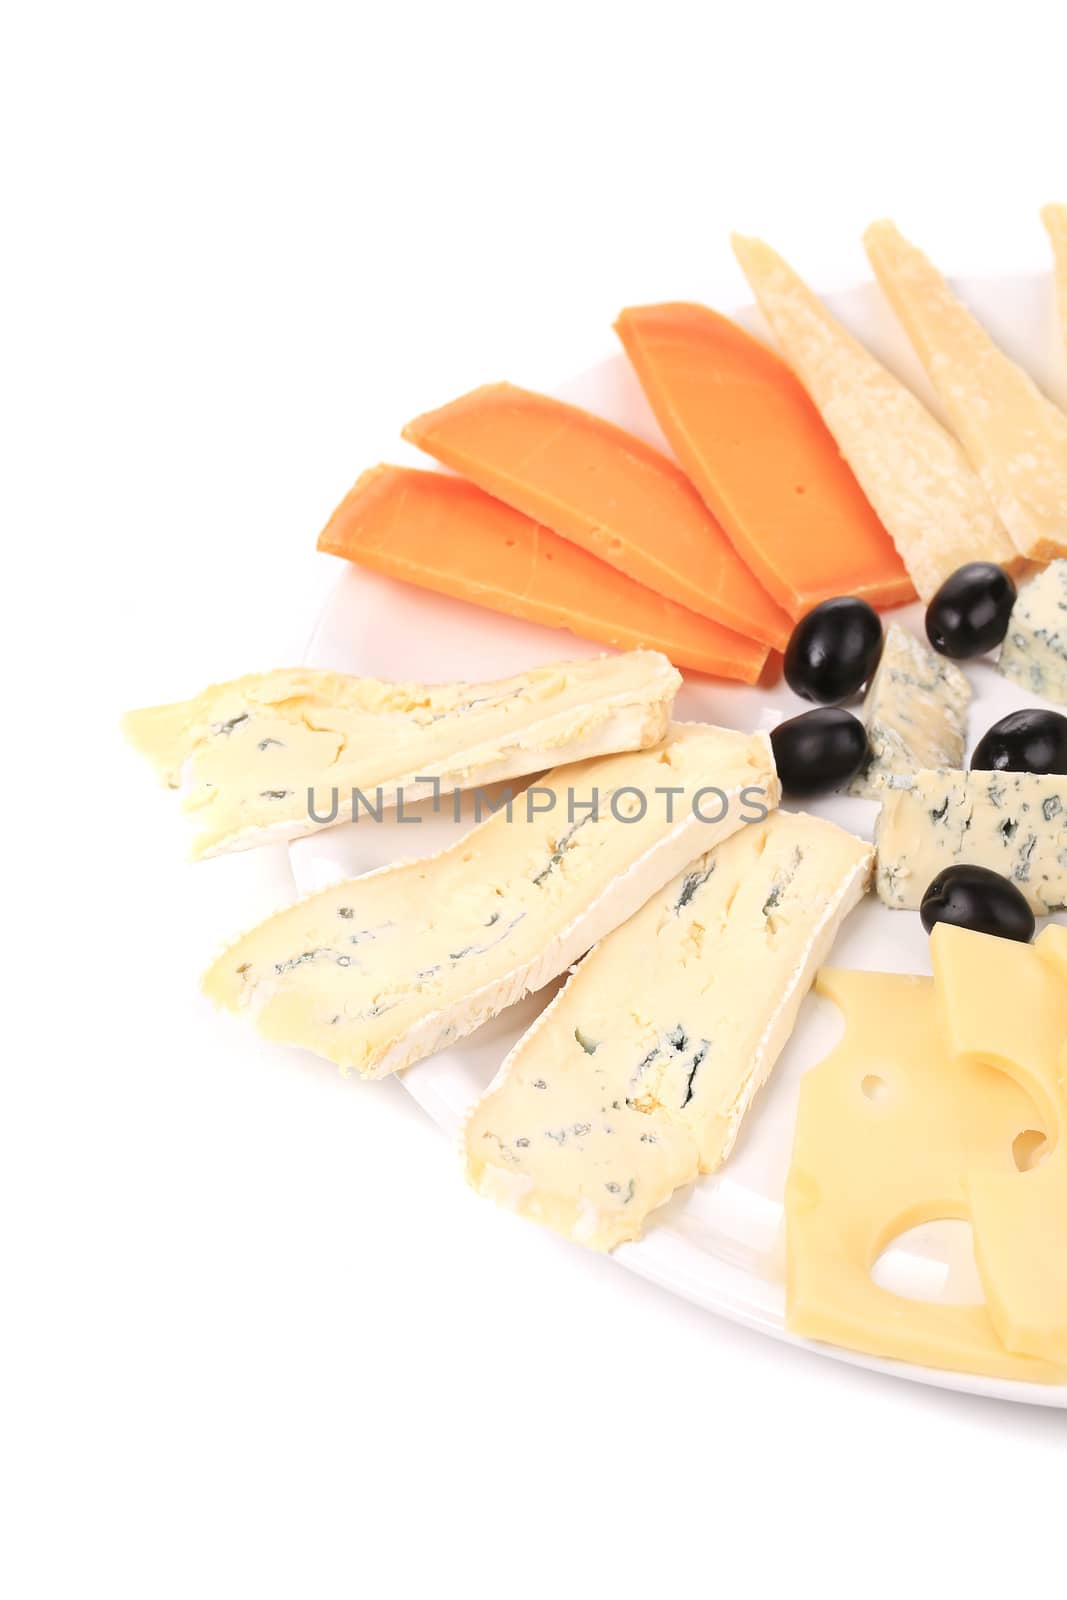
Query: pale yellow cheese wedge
{"x": 1001, "y": 1006}
{"x": 1015, "y": 436}
{"x": 877, "y": 1151}
{"x": 915, "y": 474}
{"x": 1055, "y": 219}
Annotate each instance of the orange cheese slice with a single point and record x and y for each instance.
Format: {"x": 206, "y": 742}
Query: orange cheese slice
{"x": 444, "y": 534}
{"x": 755, "y": 446}
{"x": 605, "y": 490}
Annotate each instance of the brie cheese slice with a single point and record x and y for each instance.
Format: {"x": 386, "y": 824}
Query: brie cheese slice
{"x": 637, "y": 1076}
{"x": 379, "y": 971}
{"x": 276, "y": 755}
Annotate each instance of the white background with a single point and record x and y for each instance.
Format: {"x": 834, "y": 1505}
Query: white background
{"x": 259, "y": 1337}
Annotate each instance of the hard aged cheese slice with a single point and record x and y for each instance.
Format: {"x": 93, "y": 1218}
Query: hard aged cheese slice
{"x": 915, "y": 712}
{"x": 1034, "y": 653}
{"x": 1001, "y": 1006}
{"x": 379, "y": 971}
{"x": 1015, "y": 436}
{"x": 877, "y": 1150}
{"x": 1055, "y": 220}
{"x": 914, "y": 473}
{"x": 1015, "y": 823}
{"x": 444, "y": 534}
{"x": 756, "y": 448}
{"x": 636, "y": 1077}
{"x": 605, "y": 489}
{"x": 277, "y": 754}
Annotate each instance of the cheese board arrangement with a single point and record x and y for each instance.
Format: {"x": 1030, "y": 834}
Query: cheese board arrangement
{"x": 739, "y": 951}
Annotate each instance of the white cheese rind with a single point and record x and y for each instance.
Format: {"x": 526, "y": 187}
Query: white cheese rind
{"x": 379, "y": 971}
{"x": 636, "y": 1078}
{"x": 1014, "y": 823}
{"x": 1034, "y": 653}
{"x": 1015, "y": 436}
{"x": 915, "y": 712}
{"x": 247, "y": 753}
{"x": 915, "y": 474}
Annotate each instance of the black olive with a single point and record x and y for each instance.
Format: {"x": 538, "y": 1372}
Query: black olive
{"x": 975, "y": 897}
{"x": 1024, "y": 741}
{"x": 970, "y": 612}
{"x": 819, "y": 750}
{"x": 833, "y": 650}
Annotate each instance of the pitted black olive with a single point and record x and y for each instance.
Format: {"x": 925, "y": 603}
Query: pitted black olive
{"x": 977, "y": 898}
{"x": 819, "y": 751}
{"x": 1024, "y": 741}
{"x": 970, "y": 612}
{"x": 833, "y": 650}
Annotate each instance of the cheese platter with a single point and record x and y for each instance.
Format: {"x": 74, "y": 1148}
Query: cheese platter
{"x": 670, "y": 1094}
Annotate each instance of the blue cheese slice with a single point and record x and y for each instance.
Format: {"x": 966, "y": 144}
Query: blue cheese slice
{"x": 1015, "y": 436}
{"x": 637, "y": 1076}
{"x": 379, "y": 971}
{"x": 276, "y": 755}
{"x": 915, "y": 474}
{"x": 915, "y": 712}
{"x": 1034, "y": 653}
{"x": 1014, "y": 823}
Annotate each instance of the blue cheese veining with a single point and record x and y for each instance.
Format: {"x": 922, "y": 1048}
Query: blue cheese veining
{"x": 379, "y": 971}
{"x": 915, "y": 712}
{"x": 1034, "y": 653}
{"x": 637, "y": 1076}
{"x": 1014, "y": 823}
{"x": 278, "y": 754}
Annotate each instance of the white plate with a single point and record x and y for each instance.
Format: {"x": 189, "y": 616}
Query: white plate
{"x": 719, "y": 1242}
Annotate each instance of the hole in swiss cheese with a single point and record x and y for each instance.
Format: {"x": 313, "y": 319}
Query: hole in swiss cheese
{"x": 932, "y": 1262}
{"x": 1029, "y": 1149}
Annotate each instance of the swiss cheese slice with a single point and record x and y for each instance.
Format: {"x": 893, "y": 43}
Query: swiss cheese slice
{"x": 915, "y": 474}
{"x": 278, "y": 754}
{"x": 878, "y": 1150}
{"x": 378, "y": 971}
{"x": 1055, "y": 220}
{"x": 1002, "y": 1006}
{"x": 1015, "y": 436}
{"x": 1051, "y": 946}
{"x": 637, "y": 1076}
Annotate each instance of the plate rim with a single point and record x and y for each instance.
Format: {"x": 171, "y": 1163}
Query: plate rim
{"x": 725, "y": 1303}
